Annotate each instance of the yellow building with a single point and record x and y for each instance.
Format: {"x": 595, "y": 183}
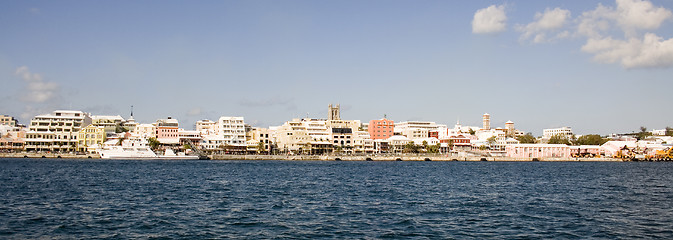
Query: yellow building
{"x": 90, "y": 138}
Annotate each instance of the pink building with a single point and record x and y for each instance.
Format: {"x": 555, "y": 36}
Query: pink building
{"x": 381, "y": 129}
{"x": 538, "y": 151}
{"x": 167, "y": 131}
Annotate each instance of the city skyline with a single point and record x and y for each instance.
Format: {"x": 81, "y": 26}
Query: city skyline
{"x": 596, "y": 66}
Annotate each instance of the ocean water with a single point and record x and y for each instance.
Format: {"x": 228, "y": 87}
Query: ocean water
{"x": 109, "y": 199}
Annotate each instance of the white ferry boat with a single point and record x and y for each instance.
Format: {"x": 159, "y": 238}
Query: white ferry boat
{"x": 126, "y": 152}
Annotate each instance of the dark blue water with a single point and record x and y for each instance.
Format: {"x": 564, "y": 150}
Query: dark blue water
{"x": 335, "y": 200}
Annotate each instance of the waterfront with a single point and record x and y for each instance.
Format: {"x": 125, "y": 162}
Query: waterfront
{"x": 92, "y": 198}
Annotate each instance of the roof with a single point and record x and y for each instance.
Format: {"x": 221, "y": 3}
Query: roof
{"x": 398, "y": 138}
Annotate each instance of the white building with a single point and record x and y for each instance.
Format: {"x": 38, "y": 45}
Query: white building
{"x": 56, "y": 131}
{"x": 430, "y": 126}
{"x": 232, "y": 129}
{"x": 145, "y": 130}
{"x": 363, "y": 143}
{"x": 206, "y": 127}
{"x": 562, "y": 131}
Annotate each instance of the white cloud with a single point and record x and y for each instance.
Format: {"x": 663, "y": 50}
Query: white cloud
{"x": 629, "y": 16}
{"x": 639, "y": 14}
{"x": 490, "y": 20}
{"x": 635, "y": 49}
{"x": 545, "y": 25}
{"x": 36, "y": 89}
{"x": 650, "y": 52}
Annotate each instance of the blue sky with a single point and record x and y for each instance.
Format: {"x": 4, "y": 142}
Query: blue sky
{"x": 597, "y": 66}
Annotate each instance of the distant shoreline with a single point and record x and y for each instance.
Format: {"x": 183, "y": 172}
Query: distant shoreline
{"x": 400, "y": 157}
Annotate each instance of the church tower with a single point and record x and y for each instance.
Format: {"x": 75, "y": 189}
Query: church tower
{"x": 487, "y": 121}
{"x": 334, "y": 113}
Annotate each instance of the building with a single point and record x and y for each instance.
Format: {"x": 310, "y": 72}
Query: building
{"x": 186, "y": 135}
{"x": 11, "y": 138}
{"x": 397, "y": 143}
{"x": 381, "y": 129}
{"x": 430, "y": 126}
{"x": 56, "y": 131}
{"x": 363, "y": 143}
{"x": 486, "y": 119}
{"x": 566, "y": 132}
{"x": 342, "y": 134}
{"x": 334, "y": 112}
{"x": 146, "y": 131}
{"x": 167, "y": 131}
{"x": 462, "y": 142}
{"x": 419, "y": 129}
{"x": 259, "y": 137}
{"x": 91, "y": 138}
{"x": 538, "y": 151}
{"x": 293, "y": 138}
{"x": 232, "y": 130}
{"x": 206, "y": 127}
{"x": 110, "y": 123}
{"x": 9, "y": 121}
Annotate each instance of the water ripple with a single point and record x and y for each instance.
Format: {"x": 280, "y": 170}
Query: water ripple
{"x": 65, "y": 199}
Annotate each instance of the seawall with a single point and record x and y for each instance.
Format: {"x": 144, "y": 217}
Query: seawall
{"x": 402, "y": 157}
{"x": 444, "y": 158}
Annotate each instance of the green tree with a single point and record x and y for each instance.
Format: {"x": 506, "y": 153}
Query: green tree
{"x": 591, "y": 139}
{"x": 260, "y": 147}
{"x": 527, "y": 138}
{"x": 559, "y": 139}
{"x": 669, "y": 131}
{"x": 411, "y": 148}
{"x": 472, "y": 132}
{"x": 643, "y": 133}
{"x": 154, "y": 143}
{"x": 433, "y": 148}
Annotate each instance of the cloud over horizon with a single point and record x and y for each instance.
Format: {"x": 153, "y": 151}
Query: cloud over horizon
{"x": 37, "y": 90}
{"x": 637, "y": 48}
{"x": 621, "y": 34}
{"x": 490, "y": 20}
{"x": 548, "y": 23}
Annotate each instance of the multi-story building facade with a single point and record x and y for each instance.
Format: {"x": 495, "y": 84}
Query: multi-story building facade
{"x": 342, "y": 134}
{"x": 9, "y": 121}
{"x": 110, "y": 123}
{"x": 11, "y": 138}
{"x": 292, "y": 137}
{"x": 56, "y": 131}
{"x": 232, "y": 130}
{"x": 206, "y": 127}
{"x": 187, "y": 135}
{"x": 538, "y": 151}
{"x": 566, "y": 132}
{"x": 91, "y": 138}
{"x": 257, "y": 136}
{"x": 363, "y": 142}
{"x": 145, "y": 130}
{"x": 381, "y": 129}
{"x": 167, "y": 131}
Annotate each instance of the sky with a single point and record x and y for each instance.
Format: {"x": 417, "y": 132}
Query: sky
{"x": 596, "y": 66}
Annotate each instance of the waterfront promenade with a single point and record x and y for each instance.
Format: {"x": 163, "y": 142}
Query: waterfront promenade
{"x": 387, "y": 157}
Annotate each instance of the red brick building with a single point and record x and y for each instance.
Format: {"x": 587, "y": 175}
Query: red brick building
{"x": 381, "y": 129}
